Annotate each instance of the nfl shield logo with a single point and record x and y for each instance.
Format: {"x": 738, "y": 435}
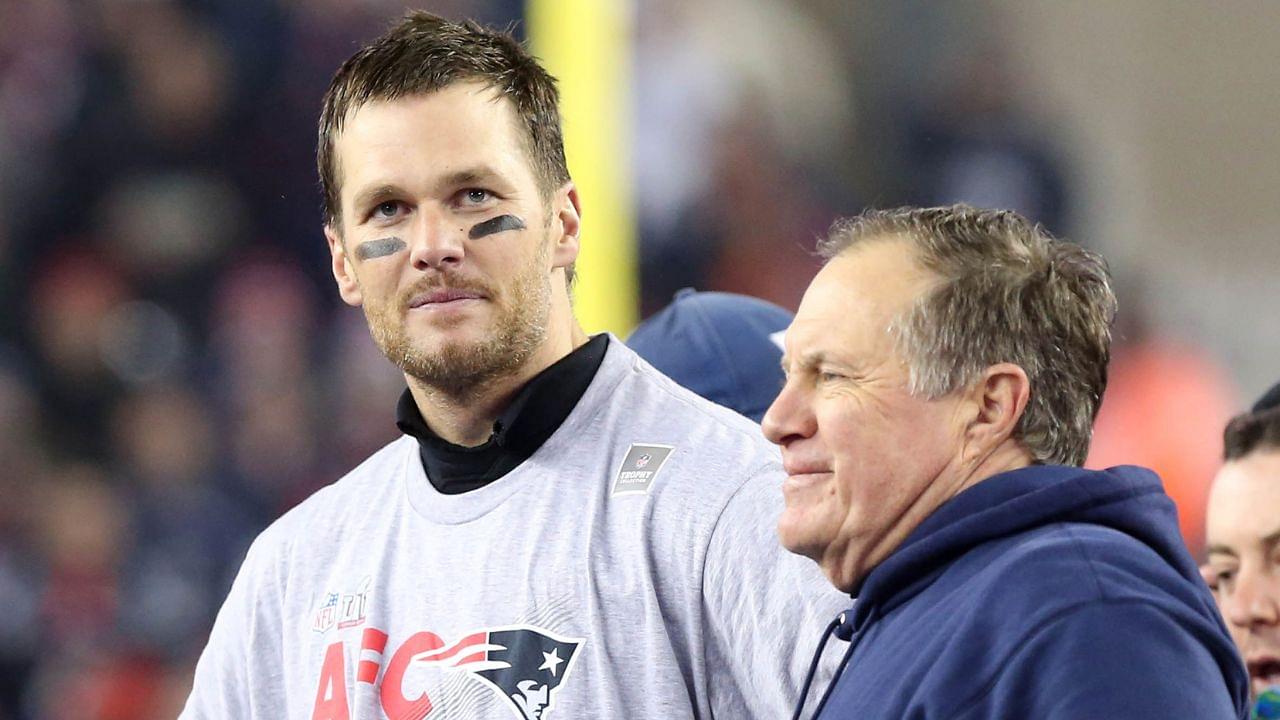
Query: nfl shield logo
{"x": 639, "y": 466}
{"x": 326, "y": 615}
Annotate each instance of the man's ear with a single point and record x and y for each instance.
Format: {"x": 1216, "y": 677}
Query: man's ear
{"x": 566, "y": 223}
{"x": 999, "y": 397}
{"x": 343, "y": 273}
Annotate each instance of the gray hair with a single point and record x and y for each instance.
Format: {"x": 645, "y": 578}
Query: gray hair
{"x": 1007, "y": 291}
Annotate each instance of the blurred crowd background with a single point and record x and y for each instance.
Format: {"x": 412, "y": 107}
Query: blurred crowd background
{"x": 176, "y": 369}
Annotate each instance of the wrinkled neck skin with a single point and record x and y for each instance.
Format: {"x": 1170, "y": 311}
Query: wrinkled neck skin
{"x": 1009, "y": 455}
{"x": 847, "y": 570}
{"x": 467, "y": 418}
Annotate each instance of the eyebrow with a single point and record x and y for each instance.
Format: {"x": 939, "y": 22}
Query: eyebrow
{"x": 467, "y": 176}
{"x": 812, "y": 358}
{"x": 785, "y": 363}
{"x": 375, "y": 196}
{"x": 1221, "y": 550}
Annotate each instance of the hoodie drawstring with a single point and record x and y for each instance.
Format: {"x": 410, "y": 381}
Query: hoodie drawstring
{"x": 813, "y": 666}
{"x": 832, "y": 685}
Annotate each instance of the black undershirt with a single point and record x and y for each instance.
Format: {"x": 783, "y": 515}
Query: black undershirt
{"x": 536, "y": 412}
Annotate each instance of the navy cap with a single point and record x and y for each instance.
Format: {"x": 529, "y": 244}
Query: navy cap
{"x": 725, "y": 347}
{"x": 1270, "y": 400}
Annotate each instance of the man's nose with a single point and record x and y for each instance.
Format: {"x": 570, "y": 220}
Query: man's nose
{"x": 789, "y": 417}
{"x": 437, "y": 243}
{"x": 1253, "y": 600}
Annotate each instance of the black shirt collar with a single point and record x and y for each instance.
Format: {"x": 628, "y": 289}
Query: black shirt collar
{"x": 536, "y": 412}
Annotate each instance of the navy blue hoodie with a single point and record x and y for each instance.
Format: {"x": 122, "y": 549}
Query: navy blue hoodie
{"x": 1041, "y": 593}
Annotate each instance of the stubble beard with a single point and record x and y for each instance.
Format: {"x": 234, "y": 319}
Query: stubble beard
{"x": 460, "y": 370}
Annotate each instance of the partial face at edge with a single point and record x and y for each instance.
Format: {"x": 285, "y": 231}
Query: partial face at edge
{"x": 1243, "y": 534}
{"x": 861, "y": 453}
{"x": 446, "y": 242}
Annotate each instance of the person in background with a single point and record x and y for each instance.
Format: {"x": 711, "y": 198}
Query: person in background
{"x": 1243, "y": 531}
{"x": 943, "y": 373}
{"x": 724, "y": 346}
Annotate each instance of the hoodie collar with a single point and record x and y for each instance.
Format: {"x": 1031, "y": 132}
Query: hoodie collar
{"x": 1127, "y": 498}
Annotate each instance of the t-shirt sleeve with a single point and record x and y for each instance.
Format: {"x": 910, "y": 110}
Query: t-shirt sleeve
{"x": 1110, "y": 660}
{"x": 765, "y": 609}
{"x": 240, "y": 674}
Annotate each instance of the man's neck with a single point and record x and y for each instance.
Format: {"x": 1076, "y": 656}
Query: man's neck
{"x": 846, "y": 570}
{"x": 468, "y": 420}
{"x": 1009, "y": 455}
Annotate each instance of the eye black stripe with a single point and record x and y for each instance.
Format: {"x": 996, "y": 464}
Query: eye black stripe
{"x": 502, "y": 223}
{"x": 381, "y": 247}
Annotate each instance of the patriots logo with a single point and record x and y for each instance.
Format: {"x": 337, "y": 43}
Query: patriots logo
{"x": 643, "y": 460}
{"x": 522, "y": 663}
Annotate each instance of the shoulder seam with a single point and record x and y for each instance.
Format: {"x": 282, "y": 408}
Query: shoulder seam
{"x": 1088, "y": 559}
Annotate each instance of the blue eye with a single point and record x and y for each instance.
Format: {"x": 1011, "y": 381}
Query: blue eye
{"x": 386, "y": 209}
{"x": 476, "y": 196}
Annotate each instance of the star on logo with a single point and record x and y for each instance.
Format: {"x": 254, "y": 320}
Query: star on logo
{"x": 551, "y": 661}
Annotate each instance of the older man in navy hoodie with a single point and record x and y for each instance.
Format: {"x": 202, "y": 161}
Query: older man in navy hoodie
{"x": 943, "y": 374}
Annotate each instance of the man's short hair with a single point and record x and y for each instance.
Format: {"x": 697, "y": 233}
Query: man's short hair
{"x": 1258, "y": 429}
{"x": 424, "y": 53}
{"x": 1007, "y": 291}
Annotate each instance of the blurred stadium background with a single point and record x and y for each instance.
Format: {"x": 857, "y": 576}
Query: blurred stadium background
{"x": 176, "y": 370}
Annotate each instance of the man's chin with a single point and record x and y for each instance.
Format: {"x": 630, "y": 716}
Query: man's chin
{"x": 453, "y": 342}
{"x": 1260, "y": 686}
{"x": 463, "y": 333}
{"x": 797, "y": 535}
{"x": 458, "y": 366}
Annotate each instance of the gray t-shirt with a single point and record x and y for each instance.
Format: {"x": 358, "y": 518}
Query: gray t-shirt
{"x": 627, "y": 569}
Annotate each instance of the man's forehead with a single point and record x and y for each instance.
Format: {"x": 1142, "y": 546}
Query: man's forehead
{"x": 884, "y": 270}
{"x": 436, "y": 134}
{"x": 864, "y": 289}
{"x": 460, "y": 109}
{"x": 1256, "y": 474}
{"x": 1240, "y": 501}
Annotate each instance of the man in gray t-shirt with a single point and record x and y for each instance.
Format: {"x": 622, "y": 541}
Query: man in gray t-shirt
{"x": 562, "y": 532}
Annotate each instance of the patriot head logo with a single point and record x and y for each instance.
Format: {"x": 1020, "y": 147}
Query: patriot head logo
{"x": 643, "y": 460}
{"x": 522, "y": 663}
